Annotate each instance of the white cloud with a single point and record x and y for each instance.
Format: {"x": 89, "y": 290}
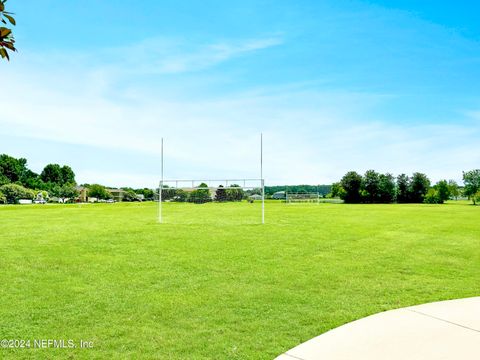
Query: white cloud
{"x": 167, "y": 56}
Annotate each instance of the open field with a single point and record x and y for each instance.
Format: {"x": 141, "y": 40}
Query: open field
{"x": 110, "y": 274}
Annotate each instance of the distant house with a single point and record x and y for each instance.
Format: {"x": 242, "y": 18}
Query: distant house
{"x": 83, "y": 195}
{"x": 279, "y": 195}
{"x": 255, "y": 197}
{"x": 117, "y": 194}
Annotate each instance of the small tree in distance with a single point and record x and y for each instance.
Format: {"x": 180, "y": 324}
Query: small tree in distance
{"x": 386, "y": 188}
{"x": 454, "y": 189}
{"x": 403, "y": 182}
{"x": 352, "y": 184}
{"x": 471, "y": 179}
{"x": 371, "y": 185}
{"x": 200, "y": 195}
{"x": 443, "y": 191}
{"x": 419, "y": 186}
{"x": 221, "y": 194}
{"x": 235, "y": 193}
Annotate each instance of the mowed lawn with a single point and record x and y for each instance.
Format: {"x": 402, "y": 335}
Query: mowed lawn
{"x": 212, "y": 283}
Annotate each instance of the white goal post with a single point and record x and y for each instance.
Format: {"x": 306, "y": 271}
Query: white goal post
{"x": 302, "y": 197}
{"x": 211, "y": 185}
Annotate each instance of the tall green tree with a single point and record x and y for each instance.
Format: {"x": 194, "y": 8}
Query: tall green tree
{"x": 52, "y": 173}
{"x": 386, "y": 188}
{"x": 7, "y": 41}
{"x": 371, "y": 185}
{"x": 55, "y": 174}
{"x": 11, "y": 169}
{"x": 419, "y": 186}
{"x": 352, "y": 184}
{"x": 471, "y": 180}
{"x": 454, "y": 189}
{"x": 403, "y": 184}
{"x": 68, "y": 176}
{"x": 443, "y": 191}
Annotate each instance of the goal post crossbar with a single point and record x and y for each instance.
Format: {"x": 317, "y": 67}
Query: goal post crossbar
{"x": 246, "y": 184}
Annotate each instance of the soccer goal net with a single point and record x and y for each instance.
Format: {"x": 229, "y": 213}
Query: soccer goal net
{"x": 212, "y": 191}
{"x": 302, "y": 198}
{"x": 206, "y": 191}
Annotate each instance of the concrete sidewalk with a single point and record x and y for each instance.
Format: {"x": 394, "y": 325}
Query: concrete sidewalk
{"x": 438, "y": 331}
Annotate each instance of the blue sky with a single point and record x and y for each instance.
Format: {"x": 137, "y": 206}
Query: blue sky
{"x": 333, "y": 85}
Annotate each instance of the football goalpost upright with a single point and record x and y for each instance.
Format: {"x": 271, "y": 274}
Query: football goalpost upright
{"x": 209, "y": 185}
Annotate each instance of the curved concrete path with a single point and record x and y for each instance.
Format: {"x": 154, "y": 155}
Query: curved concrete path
{"x": 438, "y": 331}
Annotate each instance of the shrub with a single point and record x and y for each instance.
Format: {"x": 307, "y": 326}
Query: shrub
{"x": 233, "y": 194}
{"x": 432, "y": 197}
{"x": 221, "y": 194}
{"x": 180, "y": 195}
{"x": 3, "y": 198}
{"x": 14, "y": 192}
{"x": 200, "y": 195}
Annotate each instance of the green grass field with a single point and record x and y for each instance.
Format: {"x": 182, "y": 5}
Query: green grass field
{"x": 212, "y": 283}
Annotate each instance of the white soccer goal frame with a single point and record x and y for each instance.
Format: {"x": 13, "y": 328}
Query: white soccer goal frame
{"x": 291, "y": 197}
{"x": 226, "y": 184}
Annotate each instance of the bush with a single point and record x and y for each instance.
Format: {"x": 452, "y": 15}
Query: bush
{"x": 233, "y": 194}
{"x": 3, "y": 198}
{"x": 200, "y": 195}
{"x": 433, "y": 197}
{"x": 180, "y": 195}
{"x": 14, "y": 192}
{"x": 221, "y": 194}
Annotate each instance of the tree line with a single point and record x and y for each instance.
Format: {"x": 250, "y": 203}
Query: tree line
{"x": 17, "y": 182}
{"x": 374, "y": 187}
{"x": 201, "y": 194}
